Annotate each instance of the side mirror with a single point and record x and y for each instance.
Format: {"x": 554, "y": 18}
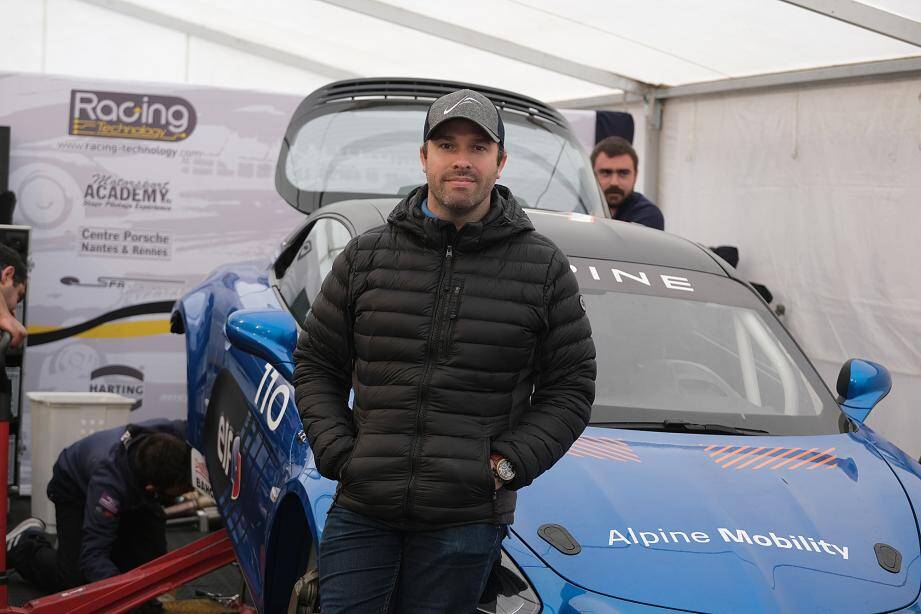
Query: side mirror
{"x": 861, "y": 385}
{"x": 268, "y": 334}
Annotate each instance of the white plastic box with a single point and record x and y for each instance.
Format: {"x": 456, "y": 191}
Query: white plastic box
{"x": 58, "y": 420}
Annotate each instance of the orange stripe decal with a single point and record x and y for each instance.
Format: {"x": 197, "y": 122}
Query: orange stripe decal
{"x": 792, "y": 458}
{"x": 604, "y": 445}
{"x": 741, "y": 457}
{"x": 753, "y": 459}
{"x": 738, "y": 458}
{"x": 809, "y": 460}
{"x": 827, "y": 460}
{"x": 774, "y": 458}
{"x": 733, "y": 453}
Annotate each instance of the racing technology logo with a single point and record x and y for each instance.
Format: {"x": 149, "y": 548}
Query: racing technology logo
{"x": 130, "y": 116}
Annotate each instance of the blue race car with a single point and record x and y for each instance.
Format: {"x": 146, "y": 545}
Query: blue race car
{"x": 718, "y": 473}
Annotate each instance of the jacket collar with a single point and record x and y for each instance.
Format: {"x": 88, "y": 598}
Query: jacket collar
{"x": 504, "y": 220}
{"x": 634, "y": 201}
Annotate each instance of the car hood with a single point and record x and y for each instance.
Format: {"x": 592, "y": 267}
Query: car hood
{"x": 713, "y": 523}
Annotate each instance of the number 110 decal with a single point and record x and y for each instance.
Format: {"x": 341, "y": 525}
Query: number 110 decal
{"x": 269, "y": 390}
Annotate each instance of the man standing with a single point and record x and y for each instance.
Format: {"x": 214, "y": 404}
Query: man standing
{"x": 106, "y": 489}
{"x": 462, "y": 333}
{"x": 13, "y": 276}
{"x": 616, "y": 165}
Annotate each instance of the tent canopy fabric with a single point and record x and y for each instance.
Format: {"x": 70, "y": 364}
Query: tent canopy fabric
{"x": 553, "y": 51}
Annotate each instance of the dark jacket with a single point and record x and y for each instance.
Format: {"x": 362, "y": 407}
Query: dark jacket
{"x": 96, "y": 472}
{"x": 458, "y": 344}
{"x": 637, "y": 208}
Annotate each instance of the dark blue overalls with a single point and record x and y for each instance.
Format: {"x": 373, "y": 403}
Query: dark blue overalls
{"x": 107, "y": 523}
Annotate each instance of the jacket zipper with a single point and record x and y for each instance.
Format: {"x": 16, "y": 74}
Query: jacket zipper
{"x": 451, "y": 315}
{"x": 431, "y": 345}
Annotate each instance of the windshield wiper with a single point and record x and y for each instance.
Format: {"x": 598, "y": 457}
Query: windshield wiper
{"x": 682, "y": 426}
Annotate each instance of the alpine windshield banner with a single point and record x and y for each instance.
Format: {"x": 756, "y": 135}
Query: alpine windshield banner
{"x": 134, "y": 192}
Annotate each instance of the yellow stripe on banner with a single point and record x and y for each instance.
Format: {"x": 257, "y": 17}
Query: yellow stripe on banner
{"x": 34, "y": 330}
{"x": 115, "y": 330}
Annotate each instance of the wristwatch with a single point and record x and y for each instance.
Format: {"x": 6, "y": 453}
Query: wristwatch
{"x": 502, "y": 468}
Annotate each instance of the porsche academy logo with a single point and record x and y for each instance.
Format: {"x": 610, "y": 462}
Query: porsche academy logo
{"x": 130, "y": 116}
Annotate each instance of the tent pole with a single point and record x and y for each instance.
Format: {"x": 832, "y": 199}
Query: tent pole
{"x": 652, "y": 112}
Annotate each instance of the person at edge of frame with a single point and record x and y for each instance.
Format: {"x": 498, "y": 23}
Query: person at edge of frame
{"x": 13, "y": 279}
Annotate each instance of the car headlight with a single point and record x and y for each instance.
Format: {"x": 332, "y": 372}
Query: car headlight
{"x": 508, "y": 591}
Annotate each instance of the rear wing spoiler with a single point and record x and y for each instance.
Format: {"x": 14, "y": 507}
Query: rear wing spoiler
{"x": 351, "y": 93}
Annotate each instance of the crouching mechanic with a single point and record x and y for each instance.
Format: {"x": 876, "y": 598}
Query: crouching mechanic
{"x": 107, "y": 491}
{"x": 462, "y": 332}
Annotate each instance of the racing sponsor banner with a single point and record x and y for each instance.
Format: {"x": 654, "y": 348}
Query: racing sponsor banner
{"x": 134, "y": 192}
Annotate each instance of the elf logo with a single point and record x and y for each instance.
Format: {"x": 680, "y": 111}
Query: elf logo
{"x": 130, "y": 116}
{"x": 229, "y": 456}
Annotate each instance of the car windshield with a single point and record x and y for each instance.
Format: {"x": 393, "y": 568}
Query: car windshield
{"x": 679, "y": 346}
{"x": 374, "y": 151}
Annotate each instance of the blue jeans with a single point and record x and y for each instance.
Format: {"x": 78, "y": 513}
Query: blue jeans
{"x": 367, "y": 567}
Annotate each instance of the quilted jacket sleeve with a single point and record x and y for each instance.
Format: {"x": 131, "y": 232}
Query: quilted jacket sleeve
{"x": 564, "y": 387}
{"x": 322, "y": 371}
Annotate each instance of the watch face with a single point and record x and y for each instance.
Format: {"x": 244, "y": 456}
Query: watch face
{"x": 505, "y": 471}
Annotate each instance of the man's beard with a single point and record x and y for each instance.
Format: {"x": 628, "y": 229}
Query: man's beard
{"x": 460, "y": 201}
{"x": 614, "y": 196}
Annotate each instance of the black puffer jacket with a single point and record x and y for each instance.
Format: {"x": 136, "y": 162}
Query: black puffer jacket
{"x": 458, "y": 344}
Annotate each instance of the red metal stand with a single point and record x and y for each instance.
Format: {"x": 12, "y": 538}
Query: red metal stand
{"x": 4, "y": 471}
{"x": 131, "y": 589}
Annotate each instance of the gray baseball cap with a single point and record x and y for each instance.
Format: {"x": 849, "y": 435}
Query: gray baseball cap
{"x": 465, "y": 104}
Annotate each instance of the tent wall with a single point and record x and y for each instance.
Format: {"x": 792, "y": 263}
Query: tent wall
{"x": 820, "y": 188}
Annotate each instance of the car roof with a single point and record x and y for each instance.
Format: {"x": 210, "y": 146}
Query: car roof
{"x": 577, "y": 234}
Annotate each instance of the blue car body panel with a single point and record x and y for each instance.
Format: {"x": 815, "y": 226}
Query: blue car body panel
{"x": 666, "y": 521}
{"x": 726, "y": 526}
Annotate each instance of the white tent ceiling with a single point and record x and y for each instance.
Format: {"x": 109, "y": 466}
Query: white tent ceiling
{"x": 552, "y": 50}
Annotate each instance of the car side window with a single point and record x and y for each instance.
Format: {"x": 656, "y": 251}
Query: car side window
{"x": 314, "y": 260}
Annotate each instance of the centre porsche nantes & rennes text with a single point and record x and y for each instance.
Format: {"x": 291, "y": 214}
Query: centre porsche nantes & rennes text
{"x": 729, "y": 536}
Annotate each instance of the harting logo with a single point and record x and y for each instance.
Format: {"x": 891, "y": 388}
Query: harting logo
{"x": 130, "y": 116}
{"x": 120, "y": 379}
